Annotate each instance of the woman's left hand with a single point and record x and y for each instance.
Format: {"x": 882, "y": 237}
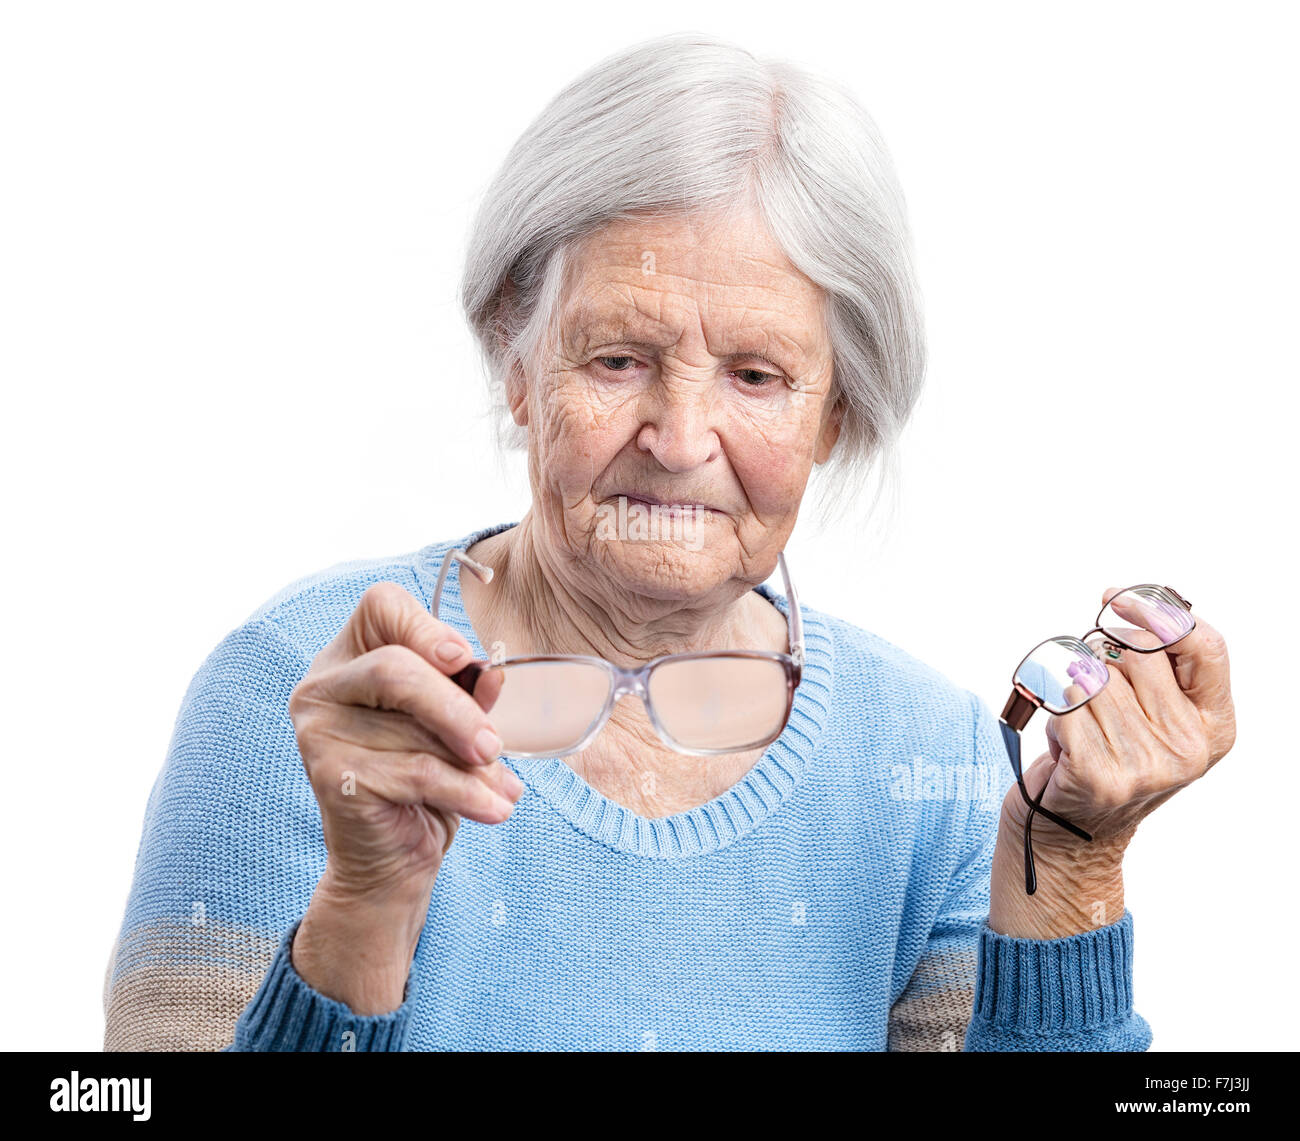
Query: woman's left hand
{"x": 1161, "y": 722}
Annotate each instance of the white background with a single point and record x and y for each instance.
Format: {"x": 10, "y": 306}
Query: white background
{"x": 231, "y": 355}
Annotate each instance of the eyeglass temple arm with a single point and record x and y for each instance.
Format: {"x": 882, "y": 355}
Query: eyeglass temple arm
{"x": 481, "y": 572}
{"x": 796, "y": 618}
{"x": 468, "y": 677}
{"x": 1031, "y": 876}
{"x": 1011, "y": 738}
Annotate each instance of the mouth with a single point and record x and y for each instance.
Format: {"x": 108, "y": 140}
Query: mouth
{"x": 667, "y": 507}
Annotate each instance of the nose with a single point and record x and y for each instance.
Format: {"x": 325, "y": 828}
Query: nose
{"x": 678, "y": 426}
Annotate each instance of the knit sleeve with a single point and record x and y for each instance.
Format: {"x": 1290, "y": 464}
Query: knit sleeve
{"x": 288, "y": 1015}
{"x": 978, "y": 990}
{"x": 934, "y": 1010}
{"x": 231, "y": 851}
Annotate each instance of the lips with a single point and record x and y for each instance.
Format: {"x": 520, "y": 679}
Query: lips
{"x": 674, "y": 505}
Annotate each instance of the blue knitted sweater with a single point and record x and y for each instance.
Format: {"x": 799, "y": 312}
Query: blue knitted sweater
{"x": 834, "y": 898}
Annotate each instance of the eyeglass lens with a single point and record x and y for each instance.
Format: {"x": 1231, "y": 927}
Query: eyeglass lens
{"x": 1062, "y": 673}
{"x": 723, "y": 703}
{"x": 719, "y": 703}
{"x": 543, "y": 708}
{"x": 1145, "y": 618}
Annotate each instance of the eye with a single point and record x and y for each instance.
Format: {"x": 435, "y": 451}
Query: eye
{"x": 617, "y": 364}
{"x": 753, "y": 377}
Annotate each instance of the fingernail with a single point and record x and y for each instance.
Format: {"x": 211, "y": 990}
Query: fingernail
{"x": 488, "y": 746}
{"x": 449, "y": 651}
{"x": 513, "y": 785}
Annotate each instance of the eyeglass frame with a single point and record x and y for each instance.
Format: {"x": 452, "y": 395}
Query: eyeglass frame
{"x": 636, "y": 681}
{"x": 1022, "y": 704}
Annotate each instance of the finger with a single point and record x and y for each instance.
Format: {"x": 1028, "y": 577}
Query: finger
{"x": 1053, "y": 742}
{"x": 1086, "y": 677}
{"x": 1116, "y": 713}
{"x": 388, "y": 614}
{"x": 1151, "y": 678}
{"x": 385, "y": 731}
{"x": 1078, "y": 733}
{"x": 1037, "y": 777}
{"x": 381, "y": 730}
{"x": 1200, "y": 660}
{"x": 1201, "y": 670}
{"x": 394, "y": 677}
{"x": 428, "y": 779}
{"x": 1162, "y": 620}
{"x": 1200, "y": 663}
{"x": 488, "y": 688}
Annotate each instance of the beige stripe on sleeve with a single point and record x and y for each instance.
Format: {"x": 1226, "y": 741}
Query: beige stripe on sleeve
{"x": 174, "y": 985}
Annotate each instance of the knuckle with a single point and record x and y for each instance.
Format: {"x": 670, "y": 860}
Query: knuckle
{"x": 307, "y": 726}
{"x": 429, "y": 774}
{"x": 1215, "y": 644}
{"x": 309, "y": 737}
{"x": 391, "y": 667}
{"x": 301, "y": 697}
{"x": 382, "y": 596}
{"x": 380, "y": 608}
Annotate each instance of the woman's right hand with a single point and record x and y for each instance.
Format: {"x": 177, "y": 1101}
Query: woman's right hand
{"x": 396, "y": 753}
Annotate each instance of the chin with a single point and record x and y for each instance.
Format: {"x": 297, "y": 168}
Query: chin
{"x": 669, "y": 569}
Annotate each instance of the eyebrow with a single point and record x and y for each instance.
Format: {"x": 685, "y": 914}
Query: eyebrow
{"x": 602, "y": 329}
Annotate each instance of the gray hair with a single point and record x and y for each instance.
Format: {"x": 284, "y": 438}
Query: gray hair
{"x": 686, "y": 123}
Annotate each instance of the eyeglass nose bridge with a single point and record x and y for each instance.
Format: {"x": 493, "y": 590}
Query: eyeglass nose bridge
{"x": 1102, "y": 644}
{"x": 629, "y": 683}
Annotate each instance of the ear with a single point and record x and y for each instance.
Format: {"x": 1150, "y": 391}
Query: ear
{"x": 829, "y": 432}
{"x": 517, "y": 397}
{"x": 516, "y": 390}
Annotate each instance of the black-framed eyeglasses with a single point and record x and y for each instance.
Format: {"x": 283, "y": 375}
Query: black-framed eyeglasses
{"x": 1063, "y": 674}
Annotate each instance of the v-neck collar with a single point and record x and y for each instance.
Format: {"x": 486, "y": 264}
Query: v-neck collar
{"x": 707, "y": 827}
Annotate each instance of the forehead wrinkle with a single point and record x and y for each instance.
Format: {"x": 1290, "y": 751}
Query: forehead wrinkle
{"x": 760, "y": 331}
{"x": 592, "y": 320}
{"x": 759, "y": 341}
{"x": 784, "y": 283}
{"x": 637, "y": 316}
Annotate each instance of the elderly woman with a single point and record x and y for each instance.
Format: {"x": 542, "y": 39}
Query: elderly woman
{"x": 584, "y": 781}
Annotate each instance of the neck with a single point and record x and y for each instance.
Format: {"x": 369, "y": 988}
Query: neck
{"x": 545, "y": 599}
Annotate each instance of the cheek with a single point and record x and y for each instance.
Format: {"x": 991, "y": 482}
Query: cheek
{"x": 772, "y": 458}
{"x": 574, "y": 435}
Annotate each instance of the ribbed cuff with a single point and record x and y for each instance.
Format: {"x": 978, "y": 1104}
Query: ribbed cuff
{"x": 287, "y": 1015}
{"x": 1037, "y": 990}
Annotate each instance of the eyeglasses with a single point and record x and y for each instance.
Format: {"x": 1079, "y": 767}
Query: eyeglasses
{"x": 1063, "y": 674}
{"x": 702, "y": 704}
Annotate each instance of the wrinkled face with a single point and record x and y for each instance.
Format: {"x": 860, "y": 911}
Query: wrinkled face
{"x": 675, "y": 416}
